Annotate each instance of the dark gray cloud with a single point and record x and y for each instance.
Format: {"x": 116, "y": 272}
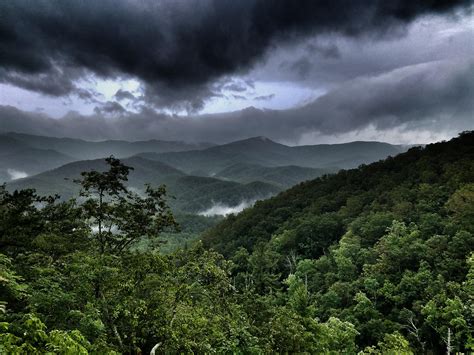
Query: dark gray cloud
{"x": 235, "y": 86}
{"x": 264, "y": 97}
{"x": 426, "y": 94}
{"x": 434, "y": 95}
{"x": 124, "y": 95}
{"x": 325, "y": 50}
{"x": 110, "y": 108}
{"x": 427, "y": 39}
{"x": 178, "y": 49}
{"x": 302, "y": 66}
{"x": 313, "y": 51}
{"x": 89, "y": 96}
{"x": 53, "y": 82}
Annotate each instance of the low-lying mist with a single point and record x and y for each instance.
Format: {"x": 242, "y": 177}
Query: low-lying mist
{"x": 16, "y": 174}
{"x": 220, "y": 209}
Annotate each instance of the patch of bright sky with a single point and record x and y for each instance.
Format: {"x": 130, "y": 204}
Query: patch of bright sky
{"x": 108, "y": 88}
{"x": 31, "y": 101}
{"x": 280, "y": 95}
{"x": 397, "y": 135}
{"x": 57, "y": 107}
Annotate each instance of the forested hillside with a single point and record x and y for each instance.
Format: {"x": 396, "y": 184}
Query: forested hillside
{"x": 373, "y": 260}
{"x": 405, "y": 187}
{"x": 385, "y": 247}
{"x": 284, "y": 176}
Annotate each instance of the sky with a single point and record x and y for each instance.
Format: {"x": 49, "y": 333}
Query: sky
{"x": 297, "y": 72}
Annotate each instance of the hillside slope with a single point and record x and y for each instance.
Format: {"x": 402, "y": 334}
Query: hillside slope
{"x": 386, "y": 186}
{"x": 387, "y": 248}
{"x": 284, "y": 176}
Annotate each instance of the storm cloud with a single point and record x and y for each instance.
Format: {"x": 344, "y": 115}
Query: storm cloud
{"x": 434, "y": 95}
{"x": 178, "y": 49}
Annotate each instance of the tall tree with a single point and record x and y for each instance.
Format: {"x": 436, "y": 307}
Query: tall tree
{"x": 118, "y": 216}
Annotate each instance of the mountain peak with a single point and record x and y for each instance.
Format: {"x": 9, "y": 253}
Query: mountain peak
{"x": 250, "y": 109}
{"x": 256, "y": 139}
{"x": 259, "y": 139}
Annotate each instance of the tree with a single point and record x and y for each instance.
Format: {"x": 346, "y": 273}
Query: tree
{"x": 20, "y": 218}
{"x": 337, "y": 337}
{"x": 118, "y": 216}
{"x": 11, "y": 287}
{"x": 29, "y": 335}
{"x": 461, "y": 206}
{"x": 393, "y": 343}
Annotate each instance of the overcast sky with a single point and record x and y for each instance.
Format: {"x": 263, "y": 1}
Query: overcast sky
{"x": 298, "y": 72}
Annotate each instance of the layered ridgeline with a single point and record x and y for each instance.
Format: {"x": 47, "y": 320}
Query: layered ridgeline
{"x": 25, "y": 155}
{"x": 385, "y": 247}
{"x": 19, "y": 159}
{"x": 81, "y": 149}
{"x": 242, "y": 161}
{"x": 205, "y": 179}
{"x": 193, "y": 194}
{"x": 264, "y": 152}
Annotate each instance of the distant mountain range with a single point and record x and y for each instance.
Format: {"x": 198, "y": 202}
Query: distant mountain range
{"x": 199, "y": 176}
{"x": 81, "y": 150}
{"x": 18, "y": 158}
{"x": 24, "y": 154}
{"x": 192, "y": 194}
{"x": 264, "y": 152}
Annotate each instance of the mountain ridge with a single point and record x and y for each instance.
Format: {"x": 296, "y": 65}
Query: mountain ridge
{"x": 83, "y": 149}
{"x": 265, "y": 152}
{"x": 193, "y": 193}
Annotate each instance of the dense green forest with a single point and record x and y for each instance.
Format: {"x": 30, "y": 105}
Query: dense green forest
{"x": 372, "y": 260}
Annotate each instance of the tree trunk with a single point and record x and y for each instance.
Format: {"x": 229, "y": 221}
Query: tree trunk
{"x": 153, "y": 350}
